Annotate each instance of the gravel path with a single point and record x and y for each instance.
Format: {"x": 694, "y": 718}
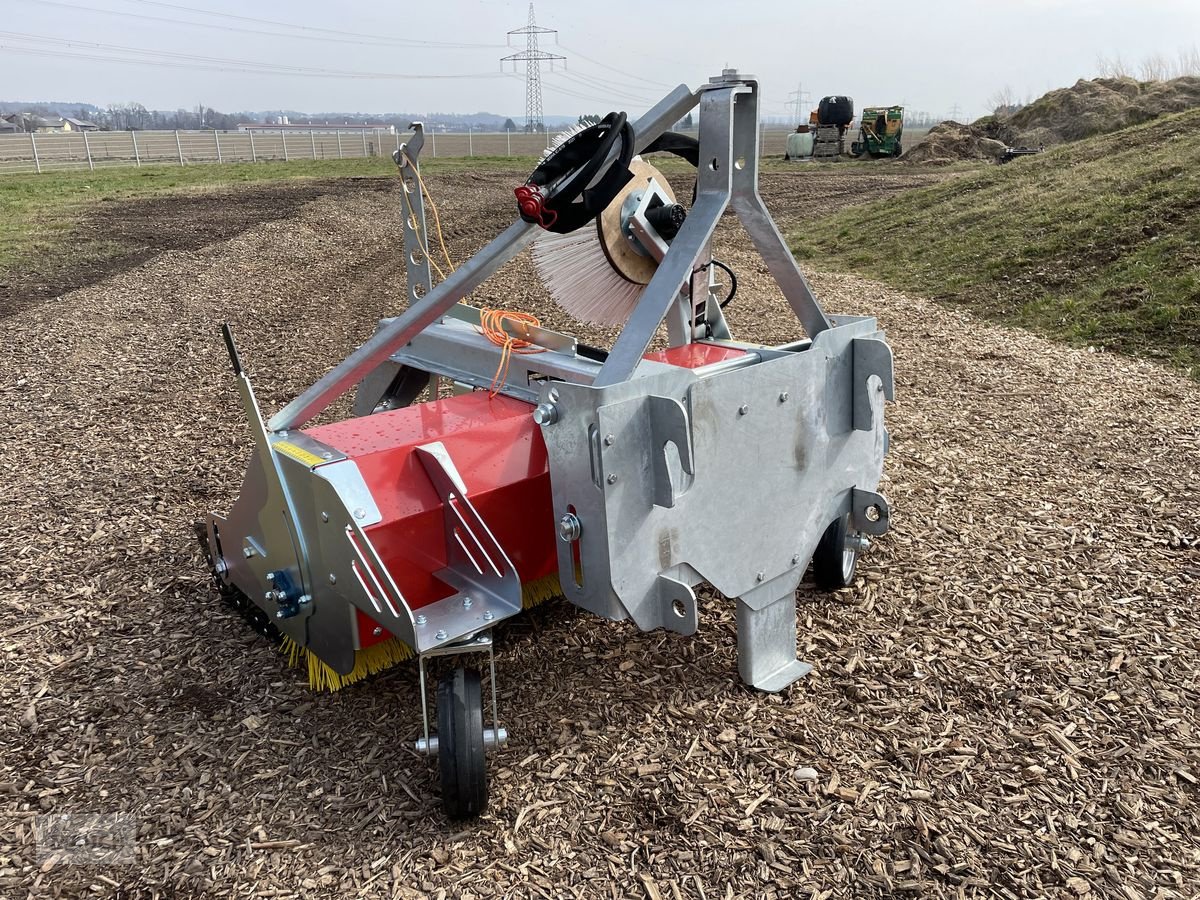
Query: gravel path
{"x": 1004, "y": 705}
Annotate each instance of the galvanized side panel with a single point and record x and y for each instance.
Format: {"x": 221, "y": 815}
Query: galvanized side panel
{"x": 739, "y": 489}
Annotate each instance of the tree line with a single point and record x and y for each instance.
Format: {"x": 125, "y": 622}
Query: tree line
{"x": 135, "y": 117}
{"x": 128, "y": 117}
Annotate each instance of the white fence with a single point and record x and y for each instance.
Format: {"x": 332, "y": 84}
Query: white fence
{"x": 102, "y": 149}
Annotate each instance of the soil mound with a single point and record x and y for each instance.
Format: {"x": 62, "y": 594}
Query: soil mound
{"x": 952, "y": 141}
{"x": 1101, "y": 105}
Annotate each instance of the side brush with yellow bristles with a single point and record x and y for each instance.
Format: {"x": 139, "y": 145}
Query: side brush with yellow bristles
{"x": 387, "y": 653}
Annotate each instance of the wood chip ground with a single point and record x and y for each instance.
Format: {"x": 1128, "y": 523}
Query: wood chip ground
{"x": 1004, "y": 705}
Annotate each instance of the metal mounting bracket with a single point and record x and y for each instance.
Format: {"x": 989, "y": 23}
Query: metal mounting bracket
{"x": 488, "y": 586}
{"x": 869, "y": 512}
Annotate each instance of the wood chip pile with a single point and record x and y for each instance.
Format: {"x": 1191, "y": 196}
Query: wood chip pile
{"x": 1005, "y": 704}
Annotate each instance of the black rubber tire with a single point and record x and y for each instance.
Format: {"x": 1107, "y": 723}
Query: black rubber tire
{"x": 461, "y": 761}
{"x": 833, "y": 565}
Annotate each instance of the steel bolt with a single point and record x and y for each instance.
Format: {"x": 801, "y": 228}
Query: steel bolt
{"x": 545, "y": 414}
{"x": 796, "y": 560}
{"x": 324, "y": 517}
{"x": 783, "y": 396}
{"x": 743, "y": 409}
{"x": 859, "y": 543}
{"x": 421, "y": 620}
{"x": 248, "y": 552}
{"x": 305, "y": 599}
{"x": 569, "y": 528}
{"x": 332, "y": 578}
{"x": 466, "y": 602}
{"x": 271, "y": 577}
{"x": 759, "y": 577}
{"x": 488, "y": 615}
{"x": 360, "y": 513}
{"x": 612, "y": 479}
{"x": 609, "y": 440}
{"x": 376, "y": 631}
{"x": 441, "y": 635}
{"x": 326, "y": 455}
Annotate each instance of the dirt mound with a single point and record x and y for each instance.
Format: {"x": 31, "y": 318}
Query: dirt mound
{"x": 952, "y": 141}
{"x": 1101, "y": 105}
{"x": 1067, "y": 114}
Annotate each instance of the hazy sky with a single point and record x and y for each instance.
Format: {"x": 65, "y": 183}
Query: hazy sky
{"x": 930, "y": 54}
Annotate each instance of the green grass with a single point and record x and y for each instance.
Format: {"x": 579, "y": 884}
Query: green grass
{"x": 38, "y": 213}
{"x": 1095, "y": 242}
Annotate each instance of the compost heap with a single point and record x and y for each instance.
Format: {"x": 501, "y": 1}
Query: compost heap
{"x": 1099, "y": 106}
{"x": 1067, "y": 114}
{"x": 953, "y": 141}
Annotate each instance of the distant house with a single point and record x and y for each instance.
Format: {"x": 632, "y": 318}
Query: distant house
{"x": 78, "y": 125}
{"x": 47, "y": 125}
{"x": 52, "y": 125}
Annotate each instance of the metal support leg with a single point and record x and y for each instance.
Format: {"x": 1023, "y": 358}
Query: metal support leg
{"x": 767, "y": 640}
{"x": 493, "y": 737}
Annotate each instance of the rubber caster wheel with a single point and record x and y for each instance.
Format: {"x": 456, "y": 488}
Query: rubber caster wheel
{"x": 461, "y": 760}
{"x": 833, "y": 562}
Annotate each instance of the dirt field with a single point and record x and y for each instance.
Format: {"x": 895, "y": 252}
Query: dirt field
{"x": 1004, "y": 705}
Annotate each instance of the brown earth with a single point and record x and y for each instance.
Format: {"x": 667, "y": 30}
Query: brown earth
{"x": 1005, "y": 704}
{"x": 118, "y": 235}
{"x": 949, "y": 142}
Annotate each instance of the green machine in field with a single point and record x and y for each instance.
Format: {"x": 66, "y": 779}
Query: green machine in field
{"x": 880, "y": 132}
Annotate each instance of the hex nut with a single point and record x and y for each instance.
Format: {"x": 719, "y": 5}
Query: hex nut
{"x": 569, "y": 528}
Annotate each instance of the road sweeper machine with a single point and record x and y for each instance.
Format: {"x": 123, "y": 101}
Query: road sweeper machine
{"x": 491, "y": 462}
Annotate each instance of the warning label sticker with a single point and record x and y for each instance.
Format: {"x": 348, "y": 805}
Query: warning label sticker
{"x": 297, "y": 453}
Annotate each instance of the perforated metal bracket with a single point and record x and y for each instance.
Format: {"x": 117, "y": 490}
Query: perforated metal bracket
{"x": 869, "y": 512}
{"x": 676, "y": 607}
{"x": 412, "y": 208}
{"x": 488, "y": 586}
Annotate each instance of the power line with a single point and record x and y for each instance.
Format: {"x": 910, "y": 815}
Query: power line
{"x": 312, "y": 28}
{"x": 166, "y": 58}
{"x": 624, "y": 72}
{"x": 606, "y": 84}
{"x": 365, "y": 40}
{"x": 802, "y": 99}
{"x": 578, "y": 95}
{"x": 533, "y": 59}
{"x": 613, "y": 93}
{"x": 566, "y": 91}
